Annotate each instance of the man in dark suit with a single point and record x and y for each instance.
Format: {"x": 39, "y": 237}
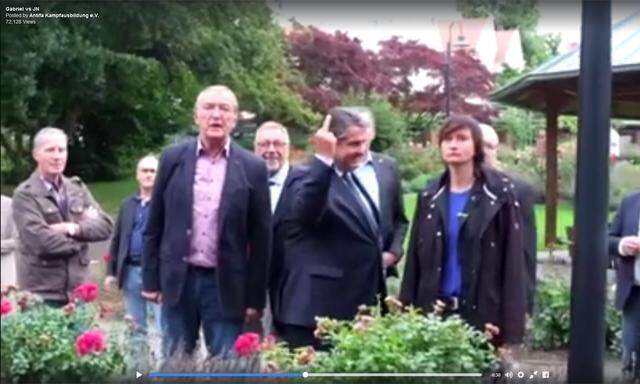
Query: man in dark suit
{"x": 526, "y": 199}
{"x": 624, "y": 243}
{"x": 333, "y": 247}
{"x": 208, "y": 237}
{"x": 124, "y": 268}
{"x": 380, "y": 177}
{"x": 272, "y": 145}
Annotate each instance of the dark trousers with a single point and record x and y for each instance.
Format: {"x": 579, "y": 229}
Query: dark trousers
{"x": 199, "y": 305}
{"x": 298, "y": 336}
{"x": 631, "y": 334}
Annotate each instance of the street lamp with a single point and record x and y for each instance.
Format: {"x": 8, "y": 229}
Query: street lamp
{"x": 447, "y": 79}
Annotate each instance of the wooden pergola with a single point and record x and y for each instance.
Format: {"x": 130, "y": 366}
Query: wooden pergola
{"x": 552, "y": 88}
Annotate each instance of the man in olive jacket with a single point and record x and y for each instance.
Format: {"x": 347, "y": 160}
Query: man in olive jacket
{"x": 55, "y": 217}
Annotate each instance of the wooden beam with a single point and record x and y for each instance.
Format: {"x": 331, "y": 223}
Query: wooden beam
{"x": 551, "y": 156}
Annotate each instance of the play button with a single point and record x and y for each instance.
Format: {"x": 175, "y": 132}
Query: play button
{"x": 138, "y": 375}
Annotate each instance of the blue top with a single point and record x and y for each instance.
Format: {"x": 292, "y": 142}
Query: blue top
{"x": 451, "y": 279}
{"x": 139, "y": 222}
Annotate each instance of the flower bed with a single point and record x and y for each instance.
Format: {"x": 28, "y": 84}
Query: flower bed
{"x": 45, "y": 344}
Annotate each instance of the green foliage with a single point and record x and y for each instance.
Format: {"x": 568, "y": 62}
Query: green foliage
{"x": 391, "y": 126}
{"x": 38, "y": 345}
{"x": 401, "y": 341}
{"x": 538, "y": 48}
{"x": 421, "y": 124}
{"x": 624, "y": 179}
{"x": 569, "y": 123}
{"x": 525, "y": 164}
{"x": 551, "y": 321}
{"x": 120, "y": 85}
{"x": 522, "y": 125}
{"x": 414, "y": 161}
{"x": 507, "y": 75}
{"x": 521, "y": 14}
{"x": 564, "y": 220}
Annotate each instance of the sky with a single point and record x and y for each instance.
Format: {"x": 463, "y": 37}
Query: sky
{"x": 372, "y": 21}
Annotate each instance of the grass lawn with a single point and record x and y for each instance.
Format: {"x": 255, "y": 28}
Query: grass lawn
{"x": 111, "y": 193}
{"x": 565, "y": 218}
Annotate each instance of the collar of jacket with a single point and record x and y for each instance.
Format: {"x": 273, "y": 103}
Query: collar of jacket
{"x": 492, "y": 183}
{"x": 39, "y": 188}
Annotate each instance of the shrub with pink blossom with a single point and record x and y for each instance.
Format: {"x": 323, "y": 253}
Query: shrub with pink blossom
{"x": 45, "y": 344}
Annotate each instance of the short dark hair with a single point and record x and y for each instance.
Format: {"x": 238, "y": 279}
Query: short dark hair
{"x": 342, "y": 119}
{"x": 457, "y": 122}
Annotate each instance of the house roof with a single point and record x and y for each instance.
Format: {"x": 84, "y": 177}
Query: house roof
{"x": 559, "y": 75}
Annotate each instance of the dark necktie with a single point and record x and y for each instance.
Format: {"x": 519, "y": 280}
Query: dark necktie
{"x": 365, "y": 202}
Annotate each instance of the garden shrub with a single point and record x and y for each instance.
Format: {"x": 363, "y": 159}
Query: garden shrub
{"x": 415, "y": 161}
{"x": 45, "y": 344}
{"x": 390, "y": 122}
{"x": 551, "y": 320}
{"x": 404, "y": 340}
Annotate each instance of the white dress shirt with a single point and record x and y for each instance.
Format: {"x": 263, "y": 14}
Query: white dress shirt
{"x": 367, "y": 176}
{"x": 276, "y": 183}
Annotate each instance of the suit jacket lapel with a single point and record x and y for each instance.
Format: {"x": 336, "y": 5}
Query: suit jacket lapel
{"x": 129, "y": 216}
{"x": 347, "y": 203}
{"x": 283, "y": 195}
{"x": 384, "y": 193}
{"x": 233, "y": 179}
{"x": 634, "y": 216}
{"x": 189, "y": 158}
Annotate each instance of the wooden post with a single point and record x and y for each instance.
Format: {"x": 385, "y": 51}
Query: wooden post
{"x": 551, "y": 155}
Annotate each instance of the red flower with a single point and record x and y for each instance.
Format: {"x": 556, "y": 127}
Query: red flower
{"x": 106, "y": 258}
{"x": 6, "y": 307}
{"x": 86, "y": 292}
{"x": 92, "y": 341}
{"x": 247, "y": 344}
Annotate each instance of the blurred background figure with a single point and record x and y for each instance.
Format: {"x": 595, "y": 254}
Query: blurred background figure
{"x": 526, "y": 197}
{"x": 8, "y": 266}
{"x": 624, "y": 243}
{"x": 124, "y": 269}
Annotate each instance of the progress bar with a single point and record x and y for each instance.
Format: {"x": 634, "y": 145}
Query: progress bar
{"x": 220, "y": 374}
{"x": 309, "y": 374}
{"x": 302, "y": 375}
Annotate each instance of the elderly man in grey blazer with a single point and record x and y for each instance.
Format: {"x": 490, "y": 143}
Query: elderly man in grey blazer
{"x": 8, "y": 266}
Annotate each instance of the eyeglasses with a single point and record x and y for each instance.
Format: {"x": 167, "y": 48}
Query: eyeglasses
{"x": 276, "y": 144}
{"x": 148, "y": 170}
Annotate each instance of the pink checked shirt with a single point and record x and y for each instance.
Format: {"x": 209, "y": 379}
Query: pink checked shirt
{"x": 207, "y": 190}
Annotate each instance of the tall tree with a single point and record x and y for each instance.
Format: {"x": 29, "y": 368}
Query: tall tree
{"x": 332, "y": 65}
{"x": 335, "y": 65}
{"x": 121, "y": 83}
